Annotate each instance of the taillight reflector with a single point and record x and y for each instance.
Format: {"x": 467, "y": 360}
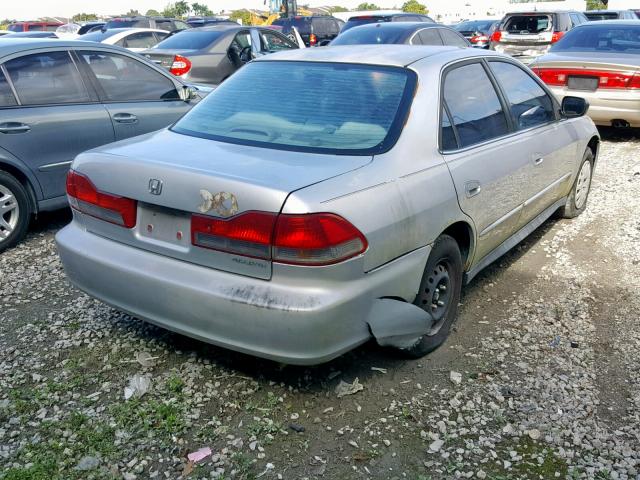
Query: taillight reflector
{"x": 556, "y": 36}
{"x": 606, "y": 79}
{"x": 496, "y": 36}
{"x": 309, "y": 239}
{"x": 86, "y": 198}
{"x": 313, "y": 39}
{"x": 180, "y": 66}
{"x": 479, "y": 38}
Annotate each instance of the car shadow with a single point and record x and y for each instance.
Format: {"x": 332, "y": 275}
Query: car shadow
{"x": 611, "y": 134}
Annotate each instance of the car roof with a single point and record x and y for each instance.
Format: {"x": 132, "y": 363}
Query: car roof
{"x": 399, "y": 26}
{"x": 391, "y": 55}
{"x": 607, "y": 11}
{"x": 216, "y": 27}
{"x": 627, "y": 22}
{"x": 9, "y": 46}
{"x": 116, "y": 31}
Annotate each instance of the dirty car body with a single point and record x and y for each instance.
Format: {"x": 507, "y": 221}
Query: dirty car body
{"x": 300, "y": 232}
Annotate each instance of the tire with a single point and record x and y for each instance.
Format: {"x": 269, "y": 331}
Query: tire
{"x": 444, "y": 269}
{"x": 15, "y": 211}
{"x": 577, "y": 200}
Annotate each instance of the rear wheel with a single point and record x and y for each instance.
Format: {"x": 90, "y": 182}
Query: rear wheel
{"x": 577, "y": 201}
{"x": 439, "y": 294}
{"x": 15, "y": 212}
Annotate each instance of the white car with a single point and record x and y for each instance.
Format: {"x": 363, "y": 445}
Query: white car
{"x": 134, "y": 39}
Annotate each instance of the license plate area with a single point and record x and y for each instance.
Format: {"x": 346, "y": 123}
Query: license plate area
{"x": 583, "y": 83}
{"x": 164, "y": 226}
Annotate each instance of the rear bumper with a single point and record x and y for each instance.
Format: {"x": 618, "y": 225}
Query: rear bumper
{"x": 607, "y": 105}
{"x": 292, "y": 322}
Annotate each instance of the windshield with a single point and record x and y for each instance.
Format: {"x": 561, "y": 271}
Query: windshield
{"x": 601, "y": 38}
{"x": 373, "y": 35}
{"x": 477, "y": 26}
{"x": 98, "y": 36}
{"x": 127, "y": 23}
{"x": 338, "y": 108}
{"x": 18, "y": 27}
{"x": 190, "y": 40}
{"x": 526, "y": 24}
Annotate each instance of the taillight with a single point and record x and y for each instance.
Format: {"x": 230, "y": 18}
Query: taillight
{"x": 180, "y": 66}
{"x": 606, "y": 79}
{"x": 86, "y": 198}
{"x": 479, "y": 38}
{"x": 556, "y": 36}
{"x": 309, "y": 239}
{"x": 316, "y": 239}
{"x": 496, "y": 36}
{"x": 313, "y": 39}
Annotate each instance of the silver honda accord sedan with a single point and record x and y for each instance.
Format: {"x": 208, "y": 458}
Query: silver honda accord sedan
{"x": 322, "y": 198}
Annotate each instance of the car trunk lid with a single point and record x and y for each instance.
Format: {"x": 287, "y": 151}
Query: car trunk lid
{"x": 174, "y": 176}
{"x": 164, "y": 58}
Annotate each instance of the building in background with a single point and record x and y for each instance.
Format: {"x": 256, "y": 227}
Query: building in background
{"x": 454, "y": 11}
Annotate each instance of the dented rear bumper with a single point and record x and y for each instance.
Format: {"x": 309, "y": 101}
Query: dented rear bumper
{"x": 292, "y": 320}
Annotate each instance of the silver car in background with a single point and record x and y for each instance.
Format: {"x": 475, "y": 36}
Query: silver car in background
{"x": 599, "y": 61}
{"x": 298, "y": 230}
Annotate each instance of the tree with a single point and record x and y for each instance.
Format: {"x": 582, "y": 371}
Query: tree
{"x": 412, "y": 6}
{"x": 181, "y": 8}
{"x": 338, "y": 9}
{"x": 84, "y": 17}
{"x": 596, "y": 5}
{"x": 201, "y": 10}
{"x": 243, "y": 15}
{"x": 132, "y": 13}
{"x": 152, "y": 13}
{"x": 367, "y": 6}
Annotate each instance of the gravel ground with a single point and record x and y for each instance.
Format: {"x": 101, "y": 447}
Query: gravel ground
{"x": 539, "y": 380}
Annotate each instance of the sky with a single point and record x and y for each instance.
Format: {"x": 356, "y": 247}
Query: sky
{"x": 31, "y": 9}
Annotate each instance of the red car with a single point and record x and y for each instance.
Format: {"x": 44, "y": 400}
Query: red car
{"x": 34, "y": 26}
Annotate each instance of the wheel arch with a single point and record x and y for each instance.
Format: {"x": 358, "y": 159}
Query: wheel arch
{"x": 24, "y": 178}
{"x": 594, "y": 145}
{"x": 462, "y": 232}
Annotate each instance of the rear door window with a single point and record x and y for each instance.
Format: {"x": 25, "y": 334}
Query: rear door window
{"x": 140, "y": 40}
{"x": 429, "y": 36}
{"x": 191, "y": 40}
{"x": 35, "y": 28}
{"x": 123, "y": 79}
{"x": 47, "y": 78}
{"x": 474, "y": 105}
{"x": 7, "y": 99}
{"x": 273, "y": 42}
{"x": 452, "y": 39}
{"x": 530, "y": 105}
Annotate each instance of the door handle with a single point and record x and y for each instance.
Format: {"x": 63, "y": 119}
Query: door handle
{"x": 472, "y": 188}
{"x": 14, "y": 127}
{"x": 125, "y": 118}
{"x": 538, "y": 161}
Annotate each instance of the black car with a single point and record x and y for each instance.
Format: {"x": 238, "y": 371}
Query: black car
{"x": 395, "y": 17}
{"x": 162, "y": 23}
{"x": 314, "y": 30}
{"x": 408, "y": 33}
{"x": 478, "y": 32}
{"x": 205, "y": 21}
{"x": 595, "y": 15}
{"x": 208, "y": 55}
{"x": 90, "y": 27}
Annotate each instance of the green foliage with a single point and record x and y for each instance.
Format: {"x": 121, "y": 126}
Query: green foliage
{"x": 367, "y": 6}
{"x": 84, "y": 17}
{"x": 201, "y": 10}
{"x": 243, "y": 15}
{"x": 153, "y": 13}
{"x": 596, "y": 5}
{"x": 132, "y": 13}
{"x": 181, "y": 8}
{"x": 338, "y": 9}
{"x": 413, "y": 6}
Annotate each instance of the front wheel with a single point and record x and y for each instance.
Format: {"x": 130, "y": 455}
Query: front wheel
{"x": 15, "y": 212}
{"x": 577, "y": 200}
{"x": 439, "y": 294}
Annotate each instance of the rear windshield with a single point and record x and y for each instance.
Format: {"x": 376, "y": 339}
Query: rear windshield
{"x": 476, "y": 26}
{"x": 356, "y": 21}
{"x": 526, "y": 24}
{"x": 372, "y": 35}
{"x": 18, "y": 27}
{"x": 190, "y": 40}
{"x": 127, "y": 23}
{"x": 601, "y": 16}
{"x": 98, "y": 36}
{"x": 601, "y": 38}
{"x": 338, "y": 108}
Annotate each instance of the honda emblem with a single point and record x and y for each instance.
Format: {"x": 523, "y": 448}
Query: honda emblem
{"x": 155, "y": 186}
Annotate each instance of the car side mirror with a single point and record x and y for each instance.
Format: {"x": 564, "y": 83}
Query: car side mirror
{"x": 573, "y": 107}
{"x": 188, "y": 93}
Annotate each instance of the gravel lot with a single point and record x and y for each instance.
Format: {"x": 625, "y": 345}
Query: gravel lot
{"x": 541, "y": 378}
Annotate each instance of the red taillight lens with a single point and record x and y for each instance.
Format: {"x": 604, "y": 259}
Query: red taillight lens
{"x": 310, "y": 239}
{"x": 556, "y": 36}
{"x": 86, "y": 198}
{"x": 606, "y": 79}
{"x": 313, "y": 39}
{"x": 248, "y": 234}
{"x": 180, "y": 66}
{"x": 316, "y": 239}
{"x": 496, "y": 36}
{"x": 479, "y": 38}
